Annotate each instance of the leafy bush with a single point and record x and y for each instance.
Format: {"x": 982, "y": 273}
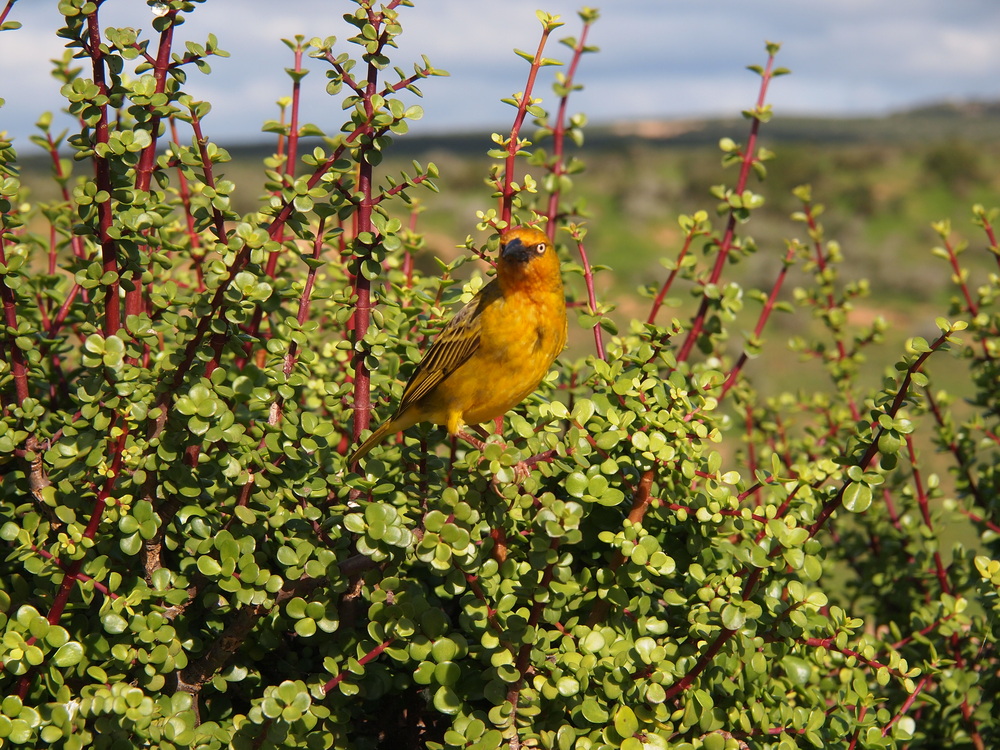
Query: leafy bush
{"x": 648, "y": 554}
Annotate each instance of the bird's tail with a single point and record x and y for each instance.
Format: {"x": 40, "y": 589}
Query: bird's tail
{"x": 385, "y": 429}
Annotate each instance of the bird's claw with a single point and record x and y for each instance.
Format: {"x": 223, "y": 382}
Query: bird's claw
{"x": 522, "y": 470}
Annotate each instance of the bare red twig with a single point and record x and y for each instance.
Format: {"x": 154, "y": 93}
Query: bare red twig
{"x": 762, "y": 319}
{"x": 693, "y": 229}
{"x": 18, "y": 362}
{"x": 726, "y": 244}
{"x": 558, "y": 165}
{"x": 370, "y": 656}
{"x": 109, "y": 248}
{"x": 922, "y": 502}
{"x": 184, "y": 193}
{"x": 820, "y": 256}
{"x": 907, "y": 704}
{"x": 6, "y": 10}
{"x": 577, "y": 234}
{"x": 514, "y": 143}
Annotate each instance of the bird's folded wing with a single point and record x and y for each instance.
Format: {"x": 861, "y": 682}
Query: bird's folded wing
{"x": 451, "y": 349}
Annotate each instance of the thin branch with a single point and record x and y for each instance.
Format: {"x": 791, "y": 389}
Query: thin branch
{"x": 726, "y": 244}
{"x": 514, "y": 143}
{"x": 577, "y": 233}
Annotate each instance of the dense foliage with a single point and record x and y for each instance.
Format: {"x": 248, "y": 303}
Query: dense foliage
{"x": 647, "y": 554}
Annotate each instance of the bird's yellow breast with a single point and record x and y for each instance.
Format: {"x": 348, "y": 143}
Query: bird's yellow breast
{"x": 521, "y": 338}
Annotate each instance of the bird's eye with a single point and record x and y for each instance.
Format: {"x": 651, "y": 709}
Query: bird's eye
{"x": 540, "y": 248}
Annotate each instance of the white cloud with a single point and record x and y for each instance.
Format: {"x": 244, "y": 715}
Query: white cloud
{"x": 974, "y": 52}
{"x": 658, "y": 58}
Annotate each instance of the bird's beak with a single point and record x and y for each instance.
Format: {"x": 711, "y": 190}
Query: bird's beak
{"x": 515, "y": 251}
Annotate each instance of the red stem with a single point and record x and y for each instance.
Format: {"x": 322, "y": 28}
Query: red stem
{"x": 521, "y": 662}
{"x": 976, "y": 518}
{"x": 703, "y": 661}
{"x": 184, "y": 193}
{"x": 363, "y": 224}
{"x": 982, "y": 218}
{"x": 658, "y": 302}
{"x": 290, "y": 162}
{"x": 588, "y": 277}
{"x": 854, "y": 738}
{"x": 238, "y": 264}
{"x": 815, "y": 232}
{"x": 102, "y": 169}
{"x": 305, "y": 302}
{"x": 970, "y": 304}
{"x": 906, "y": 705}
{"x": 291, "y": 158}
{"x": 80, "y": 576}
{"x": 373, "y": 654}
{"x": 831, "y": 645}
{"x": 507, "y": 190}
{"x": 218, "y": 220}
{"x": 559, "y": 134}
{"x": 955, "y": 449}
{"x": 147, "y": 160}
{"x": 725, "y": 246}
{"x": 75, "y": 241}
{"x": 765, "y": 313}
{"x": 74, "y": 568}
{"x": 925, "y": 512}
{"x": 750, "y": 423}
{"x": 363, "y": 306}
{"x": 18, "y": 362}
{"x": 240, "y": 261}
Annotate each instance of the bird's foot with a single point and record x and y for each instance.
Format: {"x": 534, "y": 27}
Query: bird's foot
{"x": 522, "y": 469}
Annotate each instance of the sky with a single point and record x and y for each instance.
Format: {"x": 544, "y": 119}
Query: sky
{"x": 672, "y": 59}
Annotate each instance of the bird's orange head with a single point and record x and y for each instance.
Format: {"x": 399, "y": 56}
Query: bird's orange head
{"x": 528, "y": 260}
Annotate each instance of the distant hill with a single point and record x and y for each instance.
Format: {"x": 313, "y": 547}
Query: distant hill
{"x": 972, "y": 121}
{"x": 924, "y": 125}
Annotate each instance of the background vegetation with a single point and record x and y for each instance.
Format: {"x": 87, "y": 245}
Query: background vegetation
{"x": 753, "y": 506}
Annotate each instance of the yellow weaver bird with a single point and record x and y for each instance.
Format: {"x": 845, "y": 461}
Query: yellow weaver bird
{"x": 496, "y": 349}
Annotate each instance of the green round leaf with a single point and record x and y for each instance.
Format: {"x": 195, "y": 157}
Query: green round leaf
{"x": 857, "y": 497}
{"x": 68, "y": 654}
